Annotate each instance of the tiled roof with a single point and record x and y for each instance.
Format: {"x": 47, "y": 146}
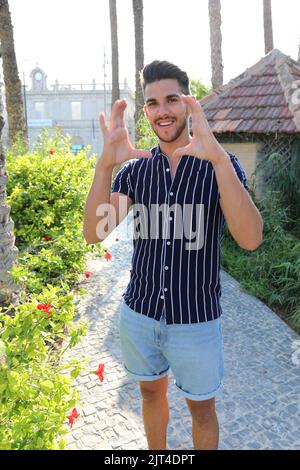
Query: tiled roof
{"x": 264, "y": 99}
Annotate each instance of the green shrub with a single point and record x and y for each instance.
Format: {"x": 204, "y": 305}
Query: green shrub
{"x": 47, "y": 195}
{"x": 47, "y": 190}
{"x": 272, "y": 272}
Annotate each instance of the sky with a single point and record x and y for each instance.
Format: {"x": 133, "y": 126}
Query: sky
{"x": 67, "y": 38}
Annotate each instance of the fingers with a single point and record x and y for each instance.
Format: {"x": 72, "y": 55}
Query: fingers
{"x": 103, "y": 125}
{"x": 117, "y": 118}
{"x": 198, "y": 117}
{"x": 181, "y": 151}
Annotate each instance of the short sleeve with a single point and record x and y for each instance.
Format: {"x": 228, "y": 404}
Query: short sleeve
{"x": 123, "y": 181}
{"x": 239, "y": 170}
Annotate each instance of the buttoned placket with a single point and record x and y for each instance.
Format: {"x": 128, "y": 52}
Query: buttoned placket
{"x": 167, "y": 243}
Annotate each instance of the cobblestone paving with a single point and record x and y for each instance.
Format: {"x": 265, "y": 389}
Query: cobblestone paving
{"x": 260, "y": 406}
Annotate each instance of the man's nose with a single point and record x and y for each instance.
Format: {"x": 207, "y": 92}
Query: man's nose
{"x": 162, "y": 109}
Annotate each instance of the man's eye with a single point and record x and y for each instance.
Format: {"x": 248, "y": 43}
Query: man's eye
{"x": 173, "y": 100}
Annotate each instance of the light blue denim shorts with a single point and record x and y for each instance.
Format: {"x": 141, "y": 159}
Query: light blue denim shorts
{"x": 193, "y": 352}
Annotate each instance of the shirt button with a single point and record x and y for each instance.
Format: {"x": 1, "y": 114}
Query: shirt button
{"x": 168, "y": 243}
{"x": 168, "y": 169}
{"x": 162, "y": 297}
{"x": 165, "y": 289}
{"x": 170, "y": 218}
{"x": 171, "y": 194}
{"x": 166, "y": 268}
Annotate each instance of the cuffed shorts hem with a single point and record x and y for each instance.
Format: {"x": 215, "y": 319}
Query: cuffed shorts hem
{"x": 203, "y": 397}
{"x": 146, "y": 378}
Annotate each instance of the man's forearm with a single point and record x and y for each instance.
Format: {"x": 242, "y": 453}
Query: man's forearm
{"x": 243, "y": 218}
{"x": 98, "y": 194}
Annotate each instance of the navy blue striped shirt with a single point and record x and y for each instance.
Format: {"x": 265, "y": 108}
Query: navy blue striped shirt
{"x": 166, "y": 276}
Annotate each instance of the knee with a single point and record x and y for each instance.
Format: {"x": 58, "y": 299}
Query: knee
{"x": 152, "y": 391}
{"x": 202, "y": 411}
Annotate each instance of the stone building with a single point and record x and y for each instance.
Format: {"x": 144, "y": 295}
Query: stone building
{"x": 73, "y": 108}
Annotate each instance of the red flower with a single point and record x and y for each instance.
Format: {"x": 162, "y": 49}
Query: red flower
{"x": 52, "y": 152}
{"x": 46, "y": 308}
{"x": 107, "y": 256}
{"x": 87, "y": 274}
{"x": 100, "y": 371}
{"x": 74, "y": 415}
{"x": 47, "y": 238}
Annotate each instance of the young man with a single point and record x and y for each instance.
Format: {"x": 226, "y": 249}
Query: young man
{"x": 170, "y": 314}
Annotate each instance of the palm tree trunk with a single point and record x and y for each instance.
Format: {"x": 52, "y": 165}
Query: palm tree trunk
{"x": 13, "y": 88}
{"x": 115, "y": 93}
{"x": 8, "y": 250}
{"x": 268, "y": 28}
{"x": 114, "y": 51}
{"x": 215, "y": 21}
{"x": 137, "y": 6}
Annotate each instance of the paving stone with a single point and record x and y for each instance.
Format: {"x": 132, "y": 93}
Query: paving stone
{"x": 88, "y": 410}
{"x": 259, "y": 408}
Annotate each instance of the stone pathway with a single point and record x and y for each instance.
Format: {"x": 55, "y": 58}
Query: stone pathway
{"x": 260, "y": 407}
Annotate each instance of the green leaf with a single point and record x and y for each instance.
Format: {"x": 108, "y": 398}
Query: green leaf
{"x": 47, "y": 386}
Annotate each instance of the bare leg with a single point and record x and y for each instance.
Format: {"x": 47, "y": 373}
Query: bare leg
{"x": 155, "y": 412}
{"x": 205, "y": 424}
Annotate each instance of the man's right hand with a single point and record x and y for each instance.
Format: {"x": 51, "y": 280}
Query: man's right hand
{"x": 117, "y": 147}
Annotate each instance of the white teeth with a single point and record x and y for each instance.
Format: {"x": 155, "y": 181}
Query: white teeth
{"x": 165, "y": 123}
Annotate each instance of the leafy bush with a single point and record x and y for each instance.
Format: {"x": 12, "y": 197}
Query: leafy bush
{"x": 272, "y": 272}
{"x": 47, "y": 189}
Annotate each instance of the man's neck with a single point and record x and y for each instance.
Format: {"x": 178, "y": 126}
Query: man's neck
{"x": 168, "y": 148}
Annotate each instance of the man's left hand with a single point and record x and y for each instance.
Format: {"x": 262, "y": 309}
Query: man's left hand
{"x": 203, "y": 143}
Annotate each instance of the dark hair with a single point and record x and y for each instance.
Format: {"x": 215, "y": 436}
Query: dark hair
{"x": 160, "y": 70}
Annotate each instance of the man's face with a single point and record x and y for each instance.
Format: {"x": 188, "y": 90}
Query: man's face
{"x": 165, "y": 110}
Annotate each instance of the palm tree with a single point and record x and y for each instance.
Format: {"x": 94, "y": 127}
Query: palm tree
{"x": 215, "y": 21}
{"x": 114, "y": 51}
{"x": 268, "y": 28}
{"x": 137, "y": 6}
{"x": 8, "y": 250}
{"x": 13, "y": 87}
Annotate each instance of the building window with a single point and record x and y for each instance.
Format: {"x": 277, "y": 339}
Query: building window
{"x": 76, "y": 110}
{"x": 39, "y": 110}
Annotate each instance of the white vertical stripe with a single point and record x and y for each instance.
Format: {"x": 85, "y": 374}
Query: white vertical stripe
{"x": 212, "y": 266}
{"x": 198, "y": 234}
{"x": 140, "y": 263}
{"x": 188, "y": 273}
{"x": 164, "y": 241}
{"x": 195, "y": 252}
{"x": 205, "y": 246}
{"x": 180, "y": 251}
{"x": 138, "y": 246}
{"x": 154, "y": 258}
{"x": 149, "y": 244}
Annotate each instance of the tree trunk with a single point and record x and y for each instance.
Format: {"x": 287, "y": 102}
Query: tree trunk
{"x": 8, "y": 251}
{"x": 215, "y": 21}
{"x": 137, "y": 6}
{"x": 114, "y": 51}
{"x": 13, "y": 88}
{"x": 268, "y": 28}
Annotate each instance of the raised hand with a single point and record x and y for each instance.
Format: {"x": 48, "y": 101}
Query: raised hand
{"x": 117, "y": 147}
{"x": 203, "y": 143}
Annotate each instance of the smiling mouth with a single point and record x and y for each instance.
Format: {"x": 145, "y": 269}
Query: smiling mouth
{"x": 165, "y": 124}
